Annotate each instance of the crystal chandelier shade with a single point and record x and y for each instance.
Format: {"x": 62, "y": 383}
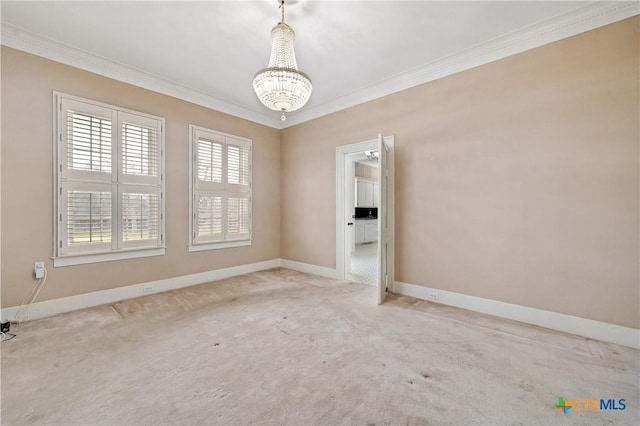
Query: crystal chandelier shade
{"x": 280, "y": 86}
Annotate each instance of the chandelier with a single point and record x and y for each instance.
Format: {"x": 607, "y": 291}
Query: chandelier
{"x": 280, "y": 86}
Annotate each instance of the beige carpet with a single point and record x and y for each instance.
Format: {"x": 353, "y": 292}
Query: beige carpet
{"x": 281, "y": 347}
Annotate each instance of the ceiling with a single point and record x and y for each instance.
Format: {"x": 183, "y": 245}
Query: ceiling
{"x": 353, "y": 51}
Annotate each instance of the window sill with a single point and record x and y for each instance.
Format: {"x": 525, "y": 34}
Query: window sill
{"x": 82, "y": 259}
{"x": 216, "y": 246}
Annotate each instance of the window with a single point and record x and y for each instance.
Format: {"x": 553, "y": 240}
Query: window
{"x": 110, "y": 186}
{"x": 220, "y": 208}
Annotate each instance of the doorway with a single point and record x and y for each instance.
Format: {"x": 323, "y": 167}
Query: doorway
{"x": 361, "y": 265}
{"x": 364, "y": 213}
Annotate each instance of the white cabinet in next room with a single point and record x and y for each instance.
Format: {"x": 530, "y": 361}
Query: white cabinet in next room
{"x": 359, "y": 232}
{"x": 366, "y": 231}
{"x": 366, "y": 193}
{"x": 371, "y": 231}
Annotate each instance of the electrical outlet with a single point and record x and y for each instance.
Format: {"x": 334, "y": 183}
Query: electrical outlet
{"x": 39, "y": 270}
{"x": 433, "y": 295}
{"x": 147, "y": 289}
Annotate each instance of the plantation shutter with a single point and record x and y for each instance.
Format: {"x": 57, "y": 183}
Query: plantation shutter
{"x": 140, "y": 180}
{"x": 86, "y": 165}
{"x": 87, "y": 217}
{"x": 140, "y": 210}
{"x": 221, "y": 200}
{"x": 140, "y": 149}
{"x": 109, "y": 177}
{"x": 87, "y": 147}
{"x": 209, "y": 161}
{"x": 238, "y": 190}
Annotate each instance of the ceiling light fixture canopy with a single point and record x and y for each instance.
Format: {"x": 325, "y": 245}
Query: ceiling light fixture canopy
{"x": 280, "y": 86}
{"x": 372, "y": 155}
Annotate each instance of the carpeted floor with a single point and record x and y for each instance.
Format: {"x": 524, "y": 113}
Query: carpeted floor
{"x": 282, "y": 347}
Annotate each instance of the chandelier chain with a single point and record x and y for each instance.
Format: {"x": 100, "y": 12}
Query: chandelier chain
{"x": 282, "y": 7}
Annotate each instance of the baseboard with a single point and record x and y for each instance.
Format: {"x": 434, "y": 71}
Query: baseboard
{"x": 598, "y": 330}
{"x": 308, "y": 268}
{"x": 592, "y": 329}
{"x": 48, "y": 308}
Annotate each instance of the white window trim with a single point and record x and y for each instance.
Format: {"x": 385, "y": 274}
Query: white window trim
{"x": 194, "y": 246}
{"x": 61, "y": 260}
{"x": 220, "y": 245}
{"x": 83, "y": 259}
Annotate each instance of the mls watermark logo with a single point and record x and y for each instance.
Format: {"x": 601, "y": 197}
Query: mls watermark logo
{"x": 590, "y": 404}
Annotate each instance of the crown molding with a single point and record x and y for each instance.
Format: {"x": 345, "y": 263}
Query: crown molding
{"x": 589, "y": 17}
{"x": 31, "y": 43}
{"x": 583, "y": 19}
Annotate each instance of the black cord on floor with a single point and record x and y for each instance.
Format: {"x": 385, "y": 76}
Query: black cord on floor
{"x": 5, "y": 338}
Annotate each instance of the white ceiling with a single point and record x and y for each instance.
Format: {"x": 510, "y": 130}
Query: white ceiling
{"x": 354, "y": 51}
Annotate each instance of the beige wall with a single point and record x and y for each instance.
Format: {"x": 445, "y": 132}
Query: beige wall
{"x": 515, "y": 181}
{"x": 27, "y": 85}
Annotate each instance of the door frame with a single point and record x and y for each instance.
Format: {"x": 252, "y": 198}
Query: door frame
{"x": 341, "y": 200}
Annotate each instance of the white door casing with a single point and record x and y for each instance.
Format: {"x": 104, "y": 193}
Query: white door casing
{"x": 343, "y": 211}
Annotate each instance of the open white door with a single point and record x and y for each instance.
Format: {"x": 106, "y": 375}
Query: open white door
{"x": 385, "y": 219}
